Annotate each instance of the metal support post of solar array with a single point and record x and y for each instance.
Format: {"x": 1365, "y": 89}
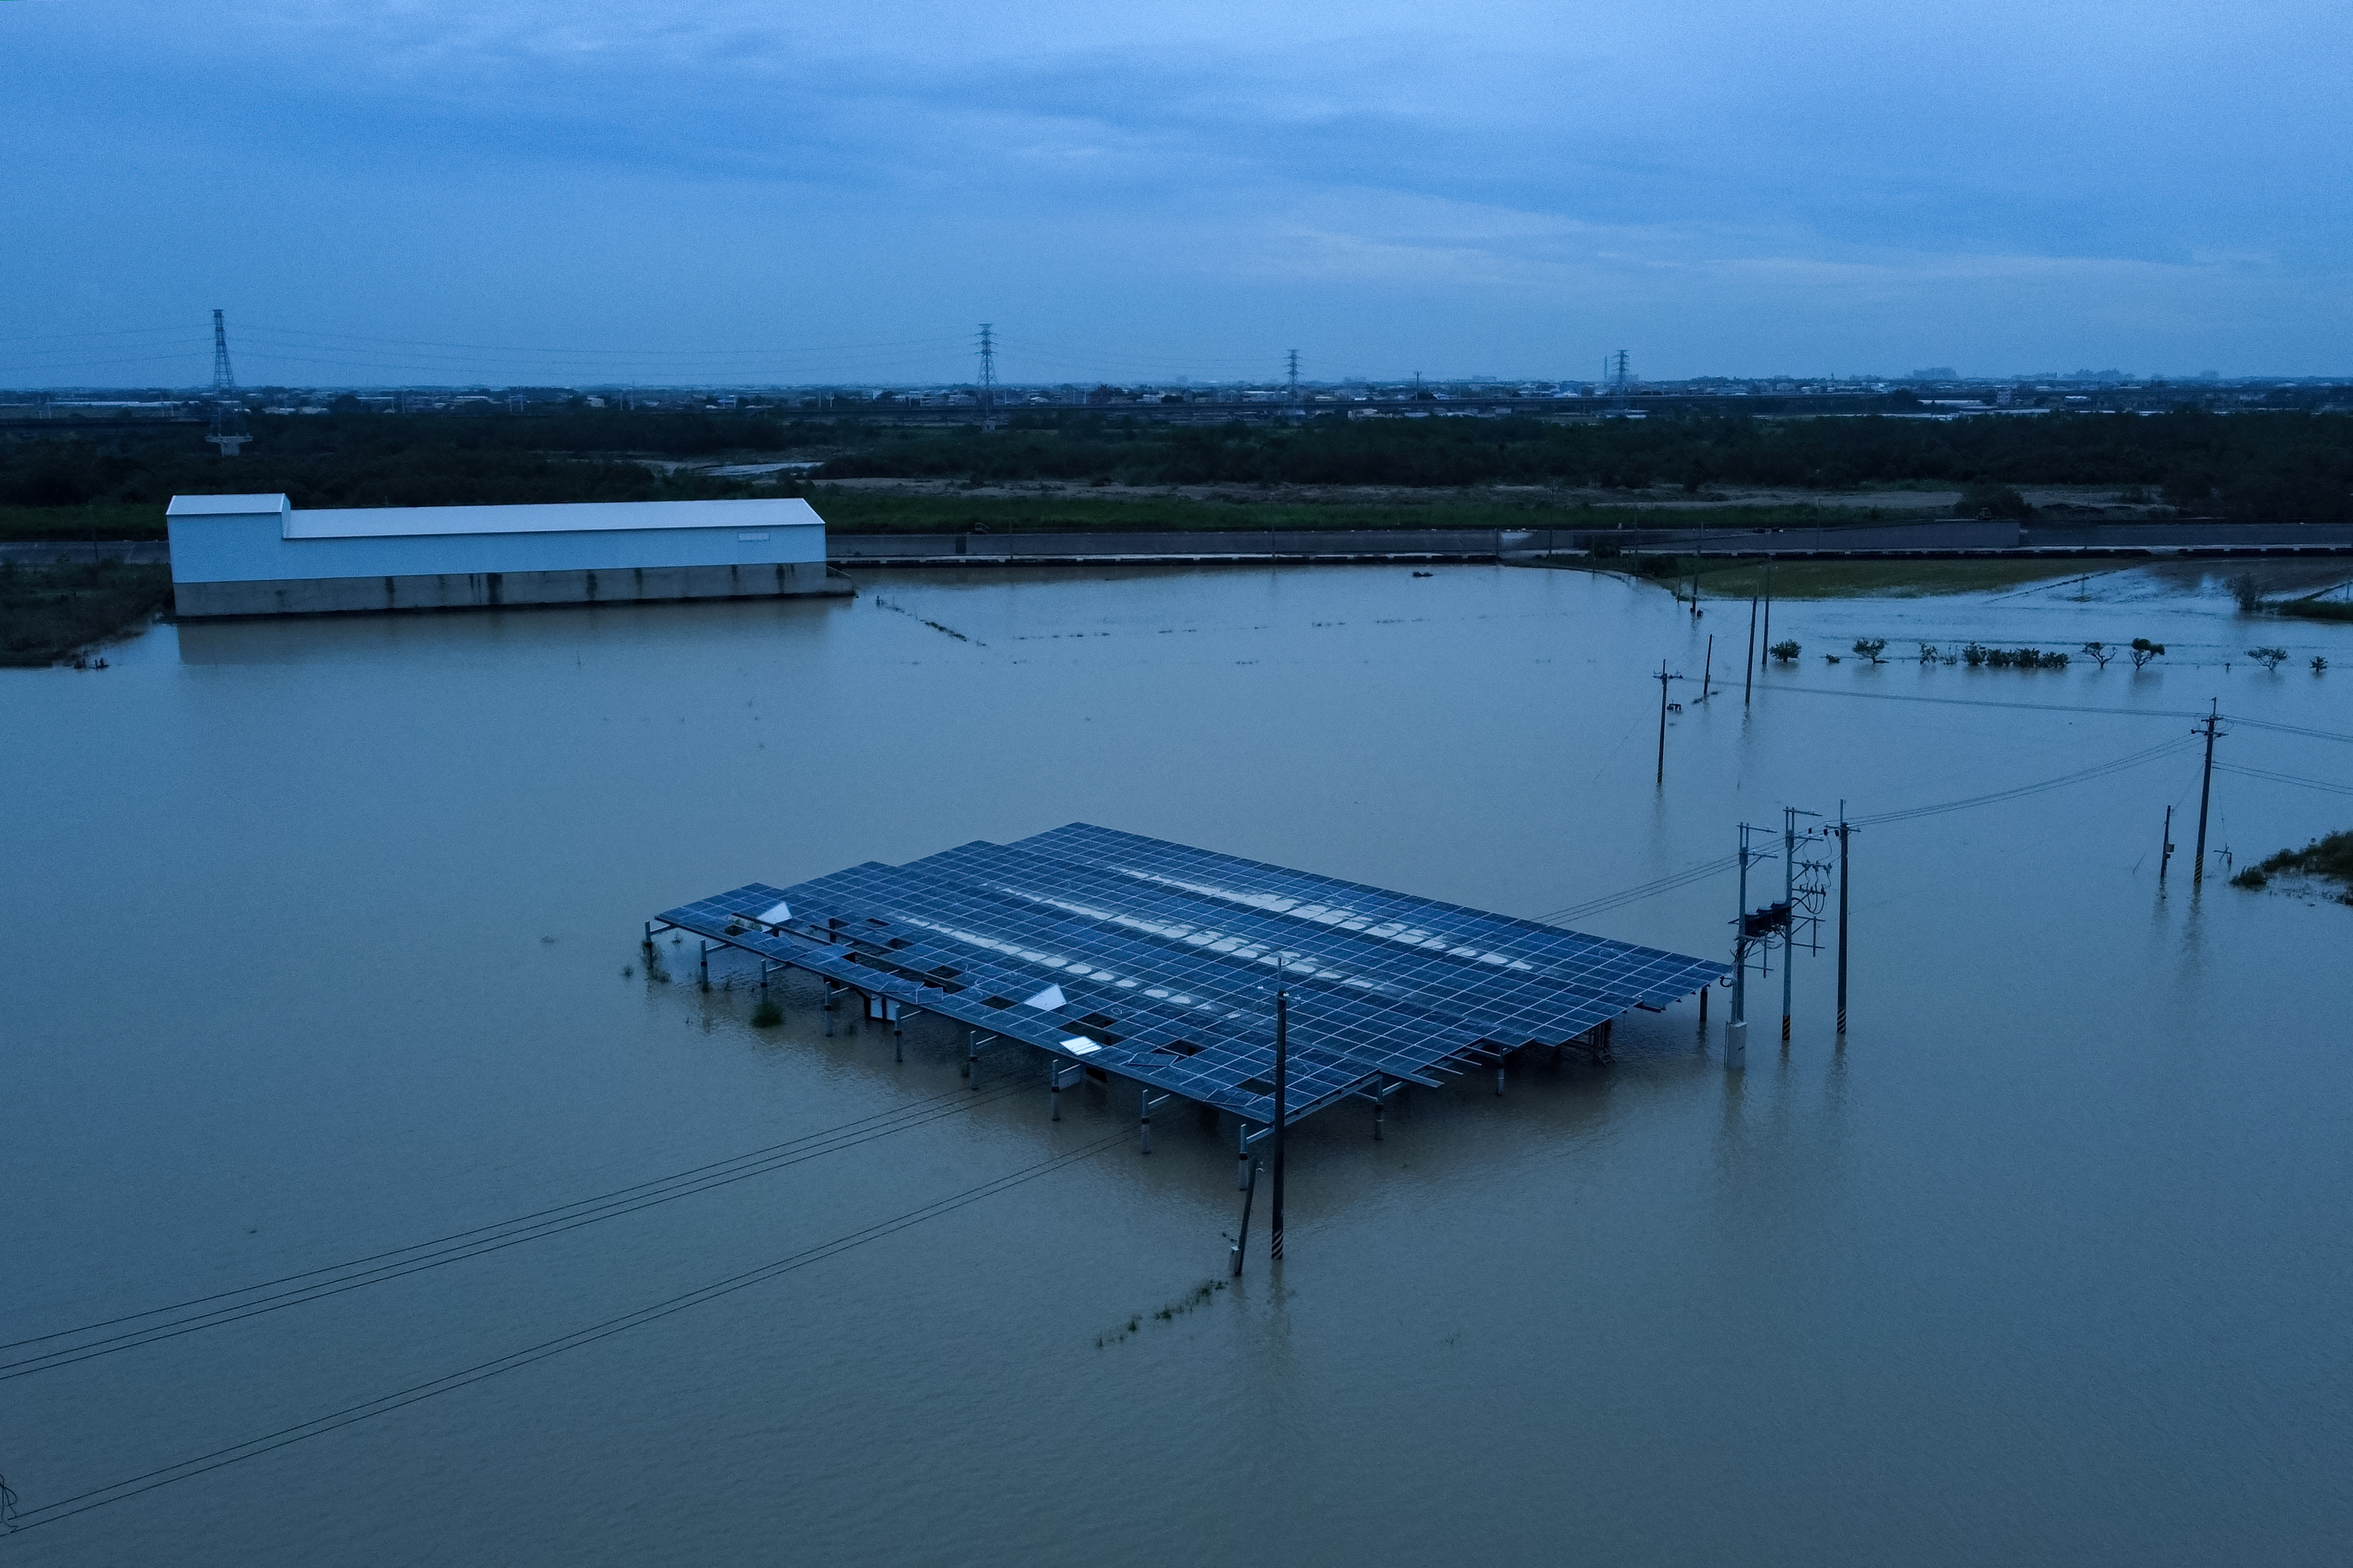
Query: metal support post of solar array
{"x": 1127, "y": 957}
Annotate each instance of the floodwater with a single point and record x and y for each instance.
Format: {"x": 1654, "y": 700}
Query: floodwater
{"x": 323, "y": 942}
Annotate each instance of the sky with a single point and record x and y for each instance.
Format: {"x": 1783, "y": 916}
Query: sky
{"x": 709, "y": 192}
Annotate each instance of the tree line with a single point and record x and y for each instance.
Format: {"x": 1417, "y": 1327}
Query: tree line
{"x": 2283, "y": 466}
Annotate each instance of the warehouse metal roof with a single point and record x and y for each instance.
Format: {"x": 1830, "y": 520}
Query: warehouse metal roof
{"x": 582, "y": 517}
{"x": 1158, "y": 962}
{"x": 577, "y": 517}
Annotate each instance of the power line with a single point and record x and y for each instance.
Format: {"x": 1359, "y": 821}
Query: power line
{"x": 2286, "y": 728}
{"x": 1667, "y": 884}
{"x": 1992, "y": 702}
{"x": 335, "y": 338}
{"x": 2100, "y": 770}
{"x": 2337, "y": 787}
{"x": 337, "y": 1279}
{"x": 98, "y": 1496}
{"x": 1707, "y": 869}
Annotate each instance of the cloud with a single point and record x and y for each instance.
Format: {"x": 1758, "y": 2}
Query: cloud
{"x": 1728, "y": 184}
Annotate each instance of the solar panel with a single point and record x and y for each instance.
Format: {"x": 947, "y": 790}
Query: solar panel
{"x": 1159, "y": 962}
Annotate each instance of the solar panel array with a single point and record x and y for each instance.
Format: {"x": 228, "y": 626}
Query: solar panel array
{"x": 1159, "y": 963}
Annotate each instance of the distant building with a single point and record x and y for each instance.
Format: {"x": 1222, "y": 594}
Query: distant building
{"x": 255, "y": 555}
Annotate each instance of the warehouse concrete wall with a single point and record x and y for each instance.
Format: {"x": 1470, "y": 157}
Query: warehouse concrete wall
{"x": 490, "y": 590}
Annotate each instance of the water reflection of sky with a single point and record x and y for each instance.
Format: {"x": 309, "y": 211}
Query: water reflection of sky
{"x": 322, "y": 929}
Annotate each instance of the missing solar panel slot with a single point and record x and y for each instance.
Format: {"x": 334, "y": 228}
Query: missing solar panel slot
{"x": 1179, "y": 1049}
{"x": 1257, "y": 1085}
{"x": 997, "y": 1001}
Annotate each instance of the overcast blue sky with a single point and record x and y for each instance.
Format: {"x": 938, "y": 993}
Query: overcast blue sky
{"x": 425, "y": 191}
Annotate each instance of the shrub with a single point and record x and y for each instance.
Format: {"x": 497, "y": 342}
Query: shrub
{"x": 2247, "y": 592}
{"x": 1870, "y": 648}
{"x": 2329, "y": 857}
{"x": 2252, "y": 877}
{"x": 1787, "y": 652}
{"x": 767, "y": 1015}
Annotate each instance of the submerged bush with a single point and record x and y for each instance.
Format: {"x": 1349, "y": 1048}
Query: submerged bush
{"x": 2329, "y": 857}
{"x": 767, "y": 1015}
{"x": 1787, "y": 652}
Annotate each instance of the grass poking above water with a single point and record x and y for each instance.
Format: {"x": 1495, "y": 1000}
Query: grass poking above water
{"x": 1883, "y": 579}
{"x": 48, "y": 612}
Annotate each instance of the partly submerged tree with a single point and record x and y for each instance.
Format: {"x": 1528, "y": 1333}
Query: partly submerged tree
{"x": 2144, "y": 650}
{"x": 1870, "y": 648}
{"x": 2100, "y": 652}
{"x": 2269, "y": 657}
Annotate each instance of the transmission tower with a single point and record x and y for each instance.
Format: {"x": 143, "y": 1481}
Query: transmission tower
{"x": 988, "y": 376}
{"x": 1295, "y": 375}
{"x": 228, "y": 431}
{"x": 1620, "y": 377}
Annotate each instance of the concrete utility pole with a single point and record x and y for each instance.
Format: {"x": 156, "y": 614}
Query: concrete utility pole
{"x": 2165, "y": 851}
{"x": 1735, "y": 1028}
{"x": 1844, "y": 829}
{"x": 1662, "y": 678}
{"x": 2205, "y": 789}
{"x": 1748, "y": 680}
{"x": 1282, "y": 1109}
{"x": 1765, "y": 651}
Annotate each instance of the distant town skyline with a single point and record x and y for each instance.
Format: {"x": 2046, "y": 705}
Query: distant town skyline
{"x": 725, "y": 194}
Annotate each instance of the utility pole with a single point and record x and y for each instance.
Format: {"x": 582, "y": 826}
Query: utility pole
{"x": 2165, "y": 854}
{"x": 1735, "y": 1028}
{"x": 1749, "y": 680}
{"x": 1765, "y": 651}
{"x": 1844, "y": 829}
{"x": 1698, "y": 560}
{"x": 2205, "y": 791}
{"x": 1789, "y": 815}
{"x": 988, "y": 376}
{"x": 1662, "y": 678}
{"x": 1282, "y": 1109}
{"x": 1707, "y": 667}
{"x": 1789, "y": 903}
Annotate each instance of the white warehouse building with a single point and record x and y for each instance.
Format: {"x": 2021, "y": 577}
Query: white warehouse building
{"x": 255, "y": 555}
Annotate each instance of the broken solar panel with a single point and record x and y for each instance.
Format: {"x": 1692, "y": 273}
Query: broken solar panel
{"x": 1158, "y": 962}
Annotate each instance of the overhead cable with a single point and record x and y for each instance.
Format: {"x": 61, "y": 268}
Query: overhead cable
{"x": 1984, "y": 702}
{"x": 2333, "y": 787}
{"x": 98, "y": 1496}
{"x": 233, "y": 1306}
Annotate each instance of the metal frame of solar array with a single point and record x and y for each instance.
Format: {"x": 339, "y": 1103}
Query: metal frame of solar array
{"x": 1168, "y": 957}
